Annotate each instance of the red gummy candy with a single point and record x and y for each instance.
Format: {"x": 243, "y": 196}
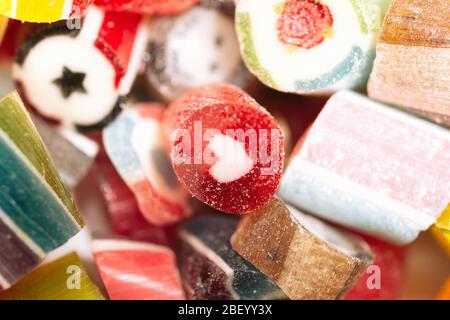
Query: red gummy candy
{"x": 303, "y": 23}
{"x": 151, "y": 7}
{"x": 226, "y": 149}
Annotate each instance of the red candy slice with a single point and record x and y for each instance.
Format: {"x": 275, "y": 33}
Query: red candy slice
{"x": 152, "y": 7}
{"x": 303, "y": 23}
{"x": 226, "y": 149}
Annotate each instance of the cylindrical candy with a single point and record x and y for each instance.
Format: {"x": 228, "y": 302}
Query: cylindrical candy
{"x": 309, "y": 46}
{"x": 136, "y": 145}
{"x": 226, "y": 149}
{"x": 43, "y": 10}
{"x": 372, "y": 168}
{"x": 77, "y": 78}
{"x": 174, "y": 63}
{"x": 150, "y": 7}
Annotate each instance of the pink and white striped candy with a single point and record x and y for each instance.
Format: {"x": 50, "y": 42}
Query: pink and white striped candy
{"x": 372, "y": 168}
{"x": 137, "y": 270}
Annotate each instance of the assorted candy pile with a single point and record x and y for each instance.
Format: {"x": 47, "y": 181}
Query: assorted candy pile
{"x": 186, "y": 113}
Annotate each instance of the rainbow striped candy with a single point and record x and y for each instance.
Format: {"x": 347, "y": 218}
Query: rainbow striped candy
{"x": 43, "y": 10}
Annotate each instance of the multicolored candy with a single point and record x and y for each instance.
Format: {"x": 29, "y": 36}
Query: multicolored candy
{"x": 174, "y": 63}
{"x": 305, "y": 257}
{"x": 226, "y": 149}
{"x": 78, "y": 78}
{"x": 37, "y": 213}
{"x": 136, "y": 145}
{"x": 309, "y": 46}
{"x": 412, "y": 68}
{"x": 150, "y": 7}
{"x": 138, "y": 271}
{"x": 211, "y": 269}
{"x": 43, "y": 10}
{"x": 372, "y": 168}
{"x": 63, "y": 279}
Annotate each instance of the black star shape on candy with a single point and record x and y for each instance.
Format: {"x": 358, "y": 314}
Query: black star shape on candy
{"x": 70, "y": 82}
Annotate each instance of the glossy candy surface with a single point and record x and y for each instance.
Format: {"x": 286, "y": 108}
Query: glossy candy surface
{"x": 226, "y": 149}
{"x": 87, "y": 71}
{"x": 367, "y": 166}
{"x": 122, "y": 262}
{"x": 151, "y": 7}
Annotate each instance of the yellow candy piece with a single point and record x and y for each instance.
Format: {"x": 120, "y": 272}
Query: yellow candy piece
{"x": 3, "y": 24}
{"x": 63, "y": 279}
{"x": 445, "y": 292}
{"x": 441, "y": 229}
{"x": 36, "y": 10}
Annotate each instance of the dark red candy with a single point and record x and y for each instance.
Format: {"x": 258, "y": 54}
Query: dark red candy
{"x": 225, "y": 148}
{"x": 303, "y": 23}
{"x": 152, "y": 7}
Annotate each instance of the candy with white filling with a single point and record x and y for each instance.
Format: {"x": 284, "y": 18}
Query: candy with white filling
{"x": 150, "y": 7}
{"x": 412, "y": 68}
{"x": 304, "y": 256}
{"x": 174, "y": 63}
{"x": 372, "y": 168}
{"x": 212, "y": 270}
{"x": 78, "y": 78}
{"x": 37, "y": 213}
{"x": 136, "y": 145}
{"x": 309, "y": 46}
{"x": 43, "y": 10}
{"x": 226, "y": 149}
{"x": 137, "y": 270}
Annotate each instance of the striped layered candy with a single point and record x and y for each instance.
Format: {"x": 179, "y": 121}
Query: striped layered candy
{"x": 309, "y": 46}
{"x": 304, "y": 256}
{"x": 43, "y": 10}
{"x": 372, "y": 168}
{"x": 62, "y": 279}
{"x": 212, "y": 270}
{"x": 37, "y": 213}
{"x": 151, "y": 7}
{"x": 137, "y": 270}
{"x": 226, "y": 149}
{"x": 136, "y": 145}
{"x": 175, "y": 64}
{"x": 412, "y": 68}
{"x": 76, "y": 77}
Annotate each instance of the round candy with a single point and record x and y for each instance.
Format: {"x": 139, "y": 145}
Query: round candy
{"x": 175, "y": 64}
{"x": 226, "y": 149}
{"x": 43, "y": 10}
{"x": 309, "y": 46}
{"x": 77, "y": 78}
{"x": 152, "y": 7}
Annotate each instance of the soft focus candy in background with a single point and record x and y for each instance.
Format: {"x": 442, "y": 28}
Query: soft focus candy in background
{"x": 174, "y": 63}
{"x": 367, "y": 166}
{"x": 307, "y": 258}
{"x": 136, "y": 145}
{"x": 225, "y": 148}
{"x": 121, "y": 263}
{"x": 62, "y": 279}
{"x": 412, "y": 68}
{"x": 77, "y": 78}
{"x": 43, "y": 10}
{"x": 309, "y": 47}
{"x": 37, "y": 213}
{"x": 444, "y": 294}
{"x": 212, "y": 270}
{"x": 150, "y": 7}
{"x": 3, "y": 25}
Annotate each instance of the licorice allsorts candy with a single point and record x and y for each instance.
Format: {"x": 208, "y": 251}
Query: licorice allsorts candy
{"x": 78, "y": 78}
{"x": 43, "y": 10}
{"x": 62, "y": 279}
{"x": 37, "y": 213}
{"x": 72, "y": 153}
{"x": 226, "y": 149}
{"x": 174, "y": 64}
{"x": 371, "y": 168}
{"x": 150, "y": 7}
{"x": 304, "y": 256}
{"x": 412, "y": 68}
{"x": 309, "y": 46}
{"x": 212, "y": 270}
{"x": 137, "y": 147}
{"x": 137, "y": 270}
